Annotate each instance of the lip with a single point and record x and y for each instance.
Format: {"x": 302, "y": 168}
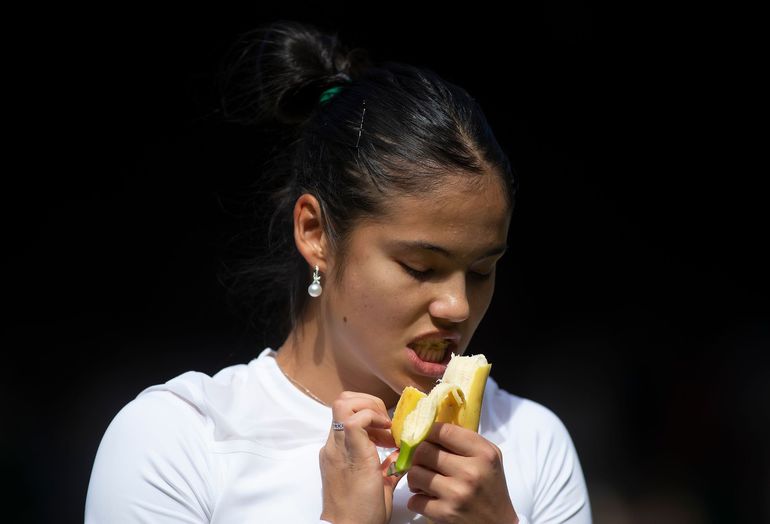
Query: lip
{"x": 433, "y": 369}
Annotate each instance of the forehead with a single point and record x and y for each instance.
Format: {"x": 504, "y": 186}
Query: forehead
{"x": 464, "y": 217}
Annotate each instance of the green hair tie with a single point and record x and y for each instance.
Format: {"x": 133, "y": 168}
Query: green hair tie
{"x": 327, "y": 94}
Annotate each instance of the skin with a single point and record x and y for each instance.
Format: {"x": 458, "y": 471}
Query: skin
{"x": 349, "y": 348}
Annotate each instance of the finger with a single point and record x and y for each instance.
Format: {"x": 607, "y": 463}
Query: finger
{"x": 356, "y": 437}
{"x": 456, "y": 439}
{"x": 368, "y": 420}
{"x": 379, "y": 404}
{"x": 382, "y": 437}
{"x": 435, "y": 458}
{"x": 347, "y": 405}
{"x": 361, "y": 400}
{"x": 426, "y": 481}
{"x": 424, "y": 505}
{"x": 391, "y": 480}
{"x": 350, "y": 402}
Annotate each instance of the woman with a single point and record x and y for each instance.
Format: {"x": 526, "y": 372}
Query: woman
{"x": 394, "y": 212}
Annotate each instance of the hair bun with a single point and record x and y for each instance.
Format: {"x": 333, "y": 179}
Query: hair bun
{"x": 279, "y": 70}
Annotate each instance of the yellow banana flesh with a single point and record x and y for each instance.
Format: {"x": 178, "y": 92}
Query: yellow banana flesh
{"x": 408, "y": 401}
{"x": 473, "y": 385}
{"x": 456, "y": 399}
{"x": 443, "y": 398}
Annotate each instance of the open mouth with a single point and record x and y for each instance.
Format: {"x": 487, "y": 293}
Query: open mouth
{"x": 431, "y": 350}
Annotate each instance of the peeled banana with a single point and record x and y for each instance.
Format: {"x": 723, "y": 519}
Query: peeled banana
{"x": 456, "y": 399}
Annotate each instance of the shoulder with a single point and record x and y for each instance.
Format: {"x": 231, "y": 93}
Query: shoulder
{"x": 153, "y": 462}
{"x": 540, "y": 455}
{"x": 159, "y": 417}
{"x": 233, "y": 403}
{"x": 155, "y": 458}
{"x": 168, "y": 413}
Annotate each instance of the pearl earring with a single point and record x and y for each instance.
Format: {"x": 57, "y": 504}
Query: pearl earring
{"x": 315, "y": 289}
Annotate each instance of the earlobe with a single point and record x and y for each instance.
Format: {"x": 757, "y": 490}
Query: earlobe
{"x": 309, "y": 235}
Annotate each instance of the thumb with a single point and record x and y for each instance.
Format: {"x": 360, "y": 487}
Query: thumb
{"x": 390, "y": 481}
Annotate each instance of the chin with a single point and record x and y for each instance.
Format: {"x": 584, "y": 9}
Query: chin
{"x": 424, "y": 384}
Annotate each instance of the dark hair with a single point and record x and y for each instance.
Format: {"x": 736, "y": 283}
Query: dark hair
{"x": 392, "y": 129}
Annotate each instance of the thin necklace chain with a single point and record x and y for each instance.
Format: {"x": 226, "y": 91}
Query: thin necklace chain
{"x": 300, "y": 385}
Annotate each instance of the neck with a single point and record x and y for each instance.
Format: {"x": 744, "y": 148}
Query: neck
{"x": 312, "y": 357}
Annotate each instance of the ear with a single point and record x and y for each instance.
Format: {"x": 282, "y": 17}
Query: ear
{"x": 309, "y": 235}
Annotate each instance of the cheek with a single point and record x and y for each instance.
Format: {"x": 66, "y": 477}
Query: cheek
{"x": 374, "y": 299}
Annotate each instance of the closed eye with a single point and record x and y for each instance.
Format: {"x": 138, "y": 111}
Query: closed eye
{"x": 481, "y": 276}
{"x": 419, "y": 275}
{"x": 424, "y": 275}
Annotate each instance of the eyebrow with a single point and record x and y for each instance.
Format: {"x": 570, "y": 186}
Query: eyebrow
{"x": 421, "y": 244}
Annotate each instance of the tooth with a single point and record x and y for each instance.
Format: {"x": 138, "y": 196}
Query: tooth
{"x": 430, "y": 355}
{"x": 430, "y": 350}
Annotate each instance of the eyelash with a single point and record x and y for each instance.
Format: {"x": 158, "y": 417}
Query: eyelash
{"x": 419, "y": 275}
{"x": 481, "y": 276}
{"x": 423, "y": 275}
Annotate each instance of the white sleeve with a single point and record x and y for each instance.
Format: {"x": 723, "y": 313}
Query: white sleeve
{"x": 152, "y": 465}
{"x": 560, "y": 494}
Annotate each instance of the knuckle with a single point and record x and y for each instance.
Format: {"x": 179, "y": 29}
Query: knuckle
{"x": 473, "y": 476}
{"x": 492, "y": 455}
{"x": 381, "y": 405}
{"x": 338, "y": 405}
{"x": 356, "y": 420}
{"x": 373, "y": 414}
{"x": 462, "y": 494}
{"x": 455, "y": 512}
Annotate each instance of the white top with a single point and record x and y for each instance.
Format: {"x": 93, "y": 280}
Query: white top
{"x": 242, "y": 446}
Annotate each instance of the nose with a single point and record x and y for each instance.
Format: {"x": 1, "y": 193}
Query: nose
{"x": 451, "y": 300}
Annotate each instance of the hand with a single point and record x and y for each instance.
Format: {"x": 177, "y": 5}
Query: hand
{"x": 458, "y": 477}
{"x": 356, "y": 488}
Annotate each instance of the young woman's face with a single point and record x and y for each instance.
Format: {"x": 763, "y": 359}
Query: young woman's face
{"x": 428, "y": 269}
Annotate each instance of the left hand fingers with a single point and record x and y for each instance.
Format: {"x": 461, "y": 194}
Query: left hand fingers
{"x": 445, "y": 442}
{"x": 435, "y": 458}
{"x": 458, "y": 476}
{"x": 428, "y": 482}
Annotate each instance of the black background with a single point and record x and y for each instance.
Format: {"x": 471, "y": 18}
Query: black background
{"x": 633, "y": 300}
